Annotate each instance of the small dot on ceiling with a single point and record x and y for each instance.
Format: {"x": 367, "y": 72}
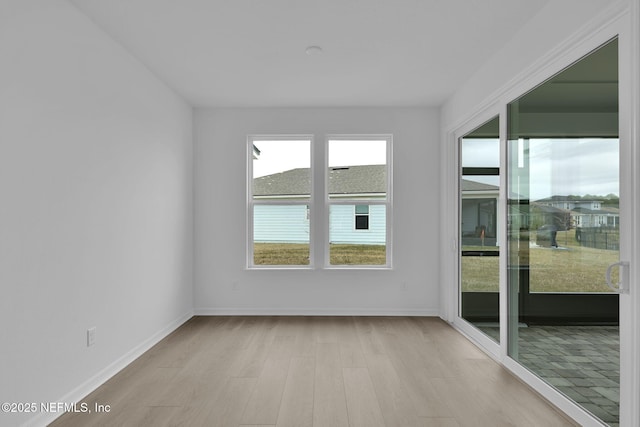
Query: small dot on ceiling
{"x": 313, "y": 50}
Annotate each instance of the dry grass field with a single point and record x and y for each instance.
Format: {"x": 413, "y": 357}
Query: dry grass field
{"x": 570, "y": 268}
{"x": 298, "y": 254}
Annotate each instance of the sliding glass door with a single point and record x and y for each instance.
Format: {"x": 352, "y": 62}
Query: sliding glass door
{"x": 479, "y": 189}
{"x": 563, "y": 232}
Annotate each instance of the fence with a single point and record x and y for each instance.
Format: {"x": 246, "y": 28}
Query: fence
{"x": 599, "y": 237}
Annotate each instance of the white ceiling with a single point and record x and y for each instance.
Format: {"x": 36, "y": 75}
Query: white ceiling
{"x": 252, "y": 52}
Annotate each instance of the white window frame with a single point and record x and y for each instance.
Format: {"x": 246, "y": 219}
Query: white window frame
{"x": 387, "y": 202}
{"x": 251, "y": 202}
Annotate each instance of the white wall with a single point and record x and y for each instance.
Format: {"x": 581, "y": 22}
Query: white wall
{"x": 95, "y": 205}
{"x": 220, "y": 178}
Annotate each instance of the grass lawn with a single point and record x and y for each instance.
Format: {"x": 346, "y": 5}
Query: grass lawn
{"x": 281, "y": 254}
{"x": 298, "y": 254}
{"x": 341, "y": 254}
{"x": 571, "y": 268}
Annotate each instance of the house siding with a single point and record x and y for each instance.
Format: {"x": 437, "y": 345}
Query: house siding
{"x": 342, "y": 225}
{"x": 289, "y": 224}
{"x": 280, "y": 224}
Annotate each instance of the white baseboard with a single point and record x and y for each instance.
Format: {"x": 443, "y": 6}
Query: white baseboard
{"x": 269, "y": 311}
{"x": 84, "y": 389}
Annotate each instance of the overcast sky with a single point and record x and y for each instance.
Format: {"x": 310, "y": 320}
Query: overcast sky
{"x": 280, "y": 156}
{"x": 558, "y": 167}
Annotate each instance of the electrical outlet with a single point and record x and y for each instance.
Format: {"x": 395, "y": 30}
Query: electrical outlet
{"x": 404, "y": 286}
{"x": 91, "y": 336}
{"x": 234, "y": 285}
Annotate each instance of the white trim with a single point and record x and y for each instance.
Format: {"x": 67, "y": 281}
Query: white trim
{"x": 629, "y": 94}
{"x": 634, "y": 277}
{"x": 314, "y": 311}
{"x": 90, "y": 385}
{"x": 503, "y": 239}
{"x": 365, "y": 197}
{"x": 370, "y": 197}
{"x": 290, "y": 198}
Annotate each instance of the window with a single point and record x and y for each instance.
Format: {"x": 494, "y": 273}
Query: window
{"x": 282, "y": 210}
{"x": 279, "y": 205}
{"x": 362, "y": 217}
{"x": 359, "y": 198}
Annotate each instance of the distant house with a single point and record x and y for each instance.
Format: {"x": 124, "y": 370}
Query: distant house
{"x": 352, "y": 223}
{"x": 561, "y": 202}
{"x": 584, "y": 213}
{"x": 607, "y": 217}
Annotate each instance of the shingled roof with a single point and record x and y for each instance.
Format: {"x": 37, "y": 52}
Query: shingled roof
{"x": 477, "y": 186}
{"x": 367, "y": 179}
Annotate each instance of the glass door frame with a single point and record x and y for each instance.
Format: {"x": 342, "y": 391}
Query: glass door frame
{"x": 492, "y": 347}
{"x": 629, "y": 136}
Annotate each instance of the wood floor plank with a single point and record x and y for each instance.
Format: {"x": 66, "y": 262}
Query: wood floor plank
{"x": 329, "y": 402}
{"x": 438, "y": 422}
{"x": 228, "y": 407}
{"x": 250, "y": 359}
{"x": 282, "y": 347}
{"x": 368, "y": 336}
{"x": 362, "y": 404}
{"x": 296, "y": 408}
{"x": 415, "y": 378}
{"x": 305, "y": 343}
{"x": 393, "y": 398}
{"x": 326, "y": 329}
{"x": 264, "y": 403}
{"x": 469, "y": 408}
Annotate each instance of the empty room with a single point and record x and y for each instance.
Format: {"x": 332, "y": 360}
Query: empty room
{"x": 334, "y": 213}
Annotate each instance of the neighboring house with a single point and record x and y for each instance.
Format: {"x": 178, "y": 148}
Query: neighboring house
{"x": 479, "y": 213}
{"x": 585, "y": 218}
{"x": 360, "y": 223}
{"x": 583, "y": 213}
{"x": 561, "y": 202}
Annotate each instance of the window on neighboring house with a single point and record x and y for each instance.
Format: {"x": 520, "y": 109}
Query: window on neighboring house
{"x": 362, "y": 217}
{"x": 359, "y": 198}
{"x": 279, "y": 201}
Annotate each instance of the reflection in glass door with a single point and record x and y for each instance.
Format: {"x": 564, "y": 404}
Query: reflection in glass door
{"x": 479, "y": 229}
{"x": 563, "y": 232}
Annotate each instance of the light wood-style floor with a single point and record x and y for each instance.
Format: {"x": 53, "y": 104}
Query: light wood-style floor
{"x": 316, "y": 371}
